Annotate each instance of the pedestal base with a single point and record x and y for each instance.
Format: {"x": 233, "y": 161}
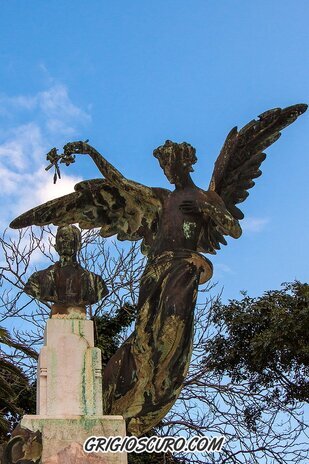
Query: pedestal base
{"x": 69, "y": 395}
{"x": 63, "y": 438}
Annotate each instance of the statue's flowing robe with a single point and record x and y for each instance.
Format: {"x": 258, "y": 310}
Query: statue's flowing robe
{"x": 145, "y": 376}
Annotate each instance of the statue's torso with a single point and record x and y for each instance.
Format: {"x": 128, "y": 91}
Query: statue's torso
{"x": 178, "y": 230}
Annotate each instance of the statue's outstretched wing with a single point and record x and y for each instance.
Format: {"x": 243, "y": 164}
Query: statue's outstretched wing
{"x": 238, "y": 164}
{"x": 130, "y": 211}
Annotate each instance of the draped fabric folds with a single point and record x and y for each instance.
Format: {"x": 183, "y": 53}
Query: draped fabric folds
{"x": 145, "y": 376}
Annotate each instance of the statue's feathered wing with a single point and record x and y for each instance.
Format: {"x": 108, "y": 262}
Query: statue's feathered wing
{"x": 129, "y": 211}
{"x": 238, "y": 164}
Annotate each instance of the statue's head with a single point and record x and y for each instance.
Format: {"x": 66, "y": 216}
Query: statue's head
{"x": 176, "y": 159}
{"x": 68, "y": 240}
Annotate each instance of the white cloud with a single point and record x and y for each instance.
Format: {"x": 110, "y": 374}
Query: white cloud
{"x": 35, "y": 124}
{"x": 37, "y": 188}
{"x": 253, "y": 224}
{"x": 22, "y": 144}
{"x": 224, "y": 268}
{"x": 53, "y": 107}
{"x": 47, "y": 190}
{"x": 60, "y": 112}
{"x": 221, "y": 270}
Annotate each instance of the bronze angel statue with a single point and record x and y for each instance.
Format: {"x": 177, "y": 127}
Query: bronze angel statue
{"x": 144, "y": 378}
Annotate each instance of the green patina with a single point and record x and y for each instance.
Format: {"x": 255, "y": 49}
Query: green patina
{"x": 87, "y": 423}
{"x": 83, "y": 392}
{"x": 188, "y": 229}
{"x": 81, "y": 328}
{"x": 94, "y": 359}
{"x": 77, "y": 325}
{"x": 88, "y": 387}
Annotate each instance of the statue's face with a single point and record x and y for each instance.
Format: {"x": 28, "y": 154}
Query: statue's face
{"x": 174, "y": 167}
{"x": 176, "y": 160}
{"x": 66, "y": 242}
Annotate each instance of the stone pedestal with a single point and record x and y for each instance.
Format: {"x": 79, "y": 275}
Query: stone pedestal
{"x": 69, "y": 395}
{"x": 69, "y": 370}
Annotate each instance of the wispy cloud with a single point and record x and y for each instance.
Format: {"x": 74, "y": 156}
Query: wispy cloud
{"x": 33, "y": 124}
{"x": 254, "y": 224}
{"x": 22, "y": 144}
{"x": 52, "y": 107}
{"x": 224, "y": 268}
{"x": 221, "y": 270}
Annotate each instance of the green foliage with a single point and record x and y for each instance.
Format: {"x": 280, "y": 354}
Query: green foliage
{"x": 264, "y": 341}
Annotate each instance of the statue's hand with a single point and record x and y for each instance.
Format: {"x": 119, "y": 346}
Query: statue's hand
{"x": 73, "y": 148}
{"x": 195, "y": 207}
{"x": 190, "y": 207}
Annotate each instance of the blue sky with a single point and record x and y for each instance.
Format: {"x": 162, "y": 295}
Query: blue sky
{"x": 129, "y": 75}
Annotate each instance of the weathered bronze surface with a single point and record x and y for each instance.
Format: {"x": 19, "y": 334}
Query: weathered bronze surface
{"x": 24, "y": 446}
{"x": 66, "y": 283}
{"x": 144, "y": 378}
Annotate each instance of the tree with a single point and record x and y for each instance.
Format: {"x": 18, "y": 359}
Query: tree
{"x": 265, "y": 341}
{"x": 16, "y": 393}
{"x": 247, "y": 379}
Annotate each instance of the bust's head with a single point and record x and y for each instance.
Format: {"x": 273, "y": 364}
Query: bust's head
{"x": 68, "y": 241}
{"x": 176, "y": 160}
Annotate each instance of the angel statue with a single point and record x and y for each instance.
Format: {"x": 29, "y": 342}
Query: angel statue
{"x": 145, "y": 376}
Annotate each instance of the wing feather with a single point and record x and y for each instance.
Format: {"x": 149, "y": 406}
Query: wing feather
{"x": 239, "y": 163}
{"x": 98, "y": 203}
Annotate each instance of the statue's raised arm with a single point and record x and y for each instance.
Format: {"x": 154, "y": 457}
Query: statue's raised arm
{"x": 117, "y": 205}
{"x": 107, "y": 169}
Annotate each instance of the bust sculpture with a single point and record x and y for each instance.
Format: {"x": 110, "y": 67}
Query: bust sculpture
{"x": 66, "y": 283}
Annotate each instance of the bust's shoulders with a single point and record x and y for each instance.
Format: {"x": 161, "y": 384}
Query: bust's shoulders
{"x": 43, "y": 272}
